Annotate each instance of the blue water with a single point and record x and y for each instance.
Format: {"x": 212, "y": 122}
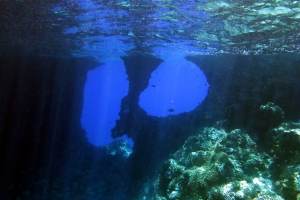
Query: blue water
{"x": 176, "y": 86}
{"x": 103, "y": 92}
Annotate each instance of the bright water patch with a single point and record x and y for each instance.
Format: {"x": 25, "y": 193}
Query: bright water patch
{"x": 104, "y": 89}
{"x": 176, "y": 86}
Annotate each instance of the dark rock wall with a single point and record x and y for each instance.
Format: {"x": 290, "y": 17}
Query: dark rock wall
{"x": 42, "y": 98}
{"x": 240, "y": 84}
{"x": 40, "y": 106}
{"x": 138, "y": 69}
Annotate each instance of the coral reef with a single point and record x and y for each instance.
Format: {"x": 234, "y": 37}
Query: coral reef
{"x": 119, "y": 147}
{"x": 215, "y": 164}
{"x": 286, "y": 166}
{"x": 269, "y": 116}
{"x": 272, "y": 113}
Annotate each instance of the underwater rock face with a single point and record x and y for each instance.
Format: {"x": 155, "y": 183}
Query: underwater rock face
{"x": 119, "y": 147}
{"x": 214, "y": 164}
{"x": 272, "y": 114}
{"x": 269, "y": 116}
{"x": 285, "y": 139}
{"x": 217, "y": 165}
{"x": 286, "y": 165}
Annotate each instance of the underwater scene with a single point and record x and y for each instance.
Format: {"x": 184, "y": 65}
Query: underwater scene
{"x": 149, "y": 100}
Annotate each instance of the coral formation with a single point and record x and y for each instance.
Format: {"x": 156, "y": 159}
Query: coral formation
{"x": 119, "y": 147}
{"x": 286, "y": 166}
{"x": 272, "y": 112}
{"x": 270, "y": 116}
{"x": 217, "y": 165}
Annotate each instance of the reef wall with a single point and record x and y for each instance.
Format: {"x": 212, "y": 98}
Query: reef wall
{"x": 41, "y": 103}
{"x": 239, "y": 85}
